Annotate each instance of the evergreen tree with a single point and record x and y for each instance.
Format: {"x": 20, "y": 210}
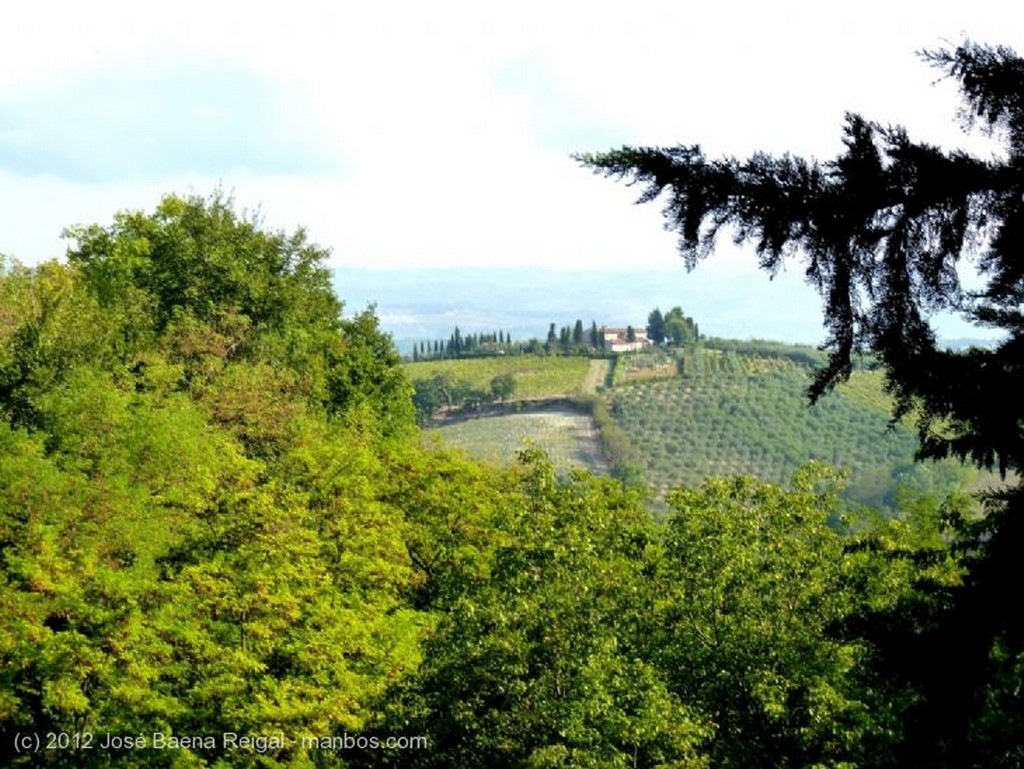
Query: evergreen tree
{"x": 577, "y": 333}
{"x": 882, "y": 230}
{"x": 656, "y": 326}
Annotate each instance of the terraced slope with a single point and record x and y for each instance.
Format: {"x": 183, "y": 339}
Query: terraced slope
{"x": 732, "y": 414}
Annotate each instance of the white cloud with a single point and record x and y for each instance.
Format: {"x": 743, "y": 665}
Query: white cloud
{"x": 157, "y": 119}
{"x": 454, "y": 119}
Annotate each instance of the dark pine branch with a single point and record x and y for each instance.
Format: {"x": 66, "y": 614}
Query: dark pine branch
{"x": 881, "y": 230}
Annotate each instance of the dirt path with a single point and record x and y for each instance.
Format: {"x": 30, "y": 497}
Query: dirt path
{"x": 597, "y": 375}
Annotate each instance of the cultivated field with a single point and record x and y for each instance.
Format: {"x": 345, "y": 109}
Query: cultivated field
{"x": 536, "y": 377}
{"x": 647, "y": 365}
{"x": 735, "y": 408}
{"x": 568, "y": 436}
{"x": 732, "y": 414}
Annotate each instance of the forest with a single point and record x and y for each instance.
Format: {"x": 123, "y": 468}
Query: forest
{"x": 223, "y": 542}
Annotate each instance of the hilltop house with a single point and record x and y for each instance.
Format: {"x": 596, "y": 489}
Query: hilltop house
{"x": 617, "y": 339}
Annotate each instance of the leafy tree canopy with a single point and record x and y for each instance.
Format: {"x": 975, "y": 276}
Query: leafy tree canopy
{"x": 656, "y": 326}
{"x": 218, "y": 288}
{"x": 198, "y": 256}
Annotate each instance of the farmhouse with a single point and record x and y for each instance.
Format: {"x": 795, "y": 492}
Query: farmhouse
{"x": 618, "y": 339}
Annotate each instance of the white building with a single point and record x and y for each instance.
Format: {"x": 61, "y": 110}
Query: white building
{"x": 617, "y": 339}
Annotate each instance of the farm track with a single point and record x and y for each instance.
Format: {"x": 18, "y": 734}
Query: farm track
{"x": 597, "y": 375}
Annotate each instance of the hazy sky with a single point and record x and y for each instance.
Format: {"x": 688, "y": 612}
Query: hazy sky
{"x": 439, "y": 133}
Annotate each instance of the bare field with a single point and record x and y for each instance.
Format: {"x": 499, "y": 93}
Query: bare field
{"x": 569, "y": 437}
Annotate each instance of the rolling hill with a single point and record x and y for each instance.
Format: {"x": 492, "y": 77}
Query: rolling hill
{"x": 725, "y": 408}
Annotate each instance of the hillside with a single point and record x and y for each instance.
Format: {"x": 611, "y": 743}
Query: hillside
{"x": 731, "y": 408}
{"x": 732, "y": 413}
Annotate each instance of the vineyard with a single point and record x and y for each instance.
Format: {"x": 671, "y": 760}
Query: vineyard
{"x": 648, "y": 365}
{"x": 722, "y": 408}
{"x": 535, "y": 376}
{"x": 568, "y": 436}
{"x": 736, "y": 414}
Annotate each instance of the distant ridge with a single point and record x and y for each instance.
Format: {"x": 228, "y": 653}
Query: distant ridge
{"x": 421, "y": 304}
{"x": 425, "y": 304}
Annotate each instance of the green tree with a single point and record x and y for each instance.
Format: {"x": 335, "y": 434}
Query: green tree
{"x": 656, "y": 326}
{"x": 630, "y": 475}
{"x": 428, "y": 396}
{"x": 364, "y": 372}
{"x": 564, "y": 338}
{"x": 882, "y": 230}
{"x": 757, "y": 586}
{"x": 535, "y": 662}
{"x": 503, "y": 386}
{"x": 192, "y": 531}
{"x": 680, "y": 328}
{"x": 198, "y": 256}
{"x": 552, "y": 339}
{"x": 577, "y": 333}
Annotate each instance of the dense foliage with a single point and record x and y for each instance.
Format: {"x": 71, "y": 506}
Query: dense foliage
{"x": 192, "y": 536}
{"x": 883, "y": 230}
{"x": 217, "y": 517}
{"x": 596, "y": 638}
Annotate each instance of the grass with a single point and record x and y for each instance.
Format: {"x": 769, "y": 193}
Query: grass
{"x": 536, "y": 376}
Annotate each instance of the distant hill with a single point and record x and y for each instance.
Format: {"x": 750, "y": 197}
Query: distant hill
{"x": 739, "y": 411}
{"x": 424, "y": 304}
{"x": 415, "y": 305}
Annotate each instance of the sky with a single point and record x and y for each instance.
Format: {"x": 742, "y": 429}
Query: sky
{"x": 411, "y": 134}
